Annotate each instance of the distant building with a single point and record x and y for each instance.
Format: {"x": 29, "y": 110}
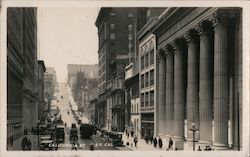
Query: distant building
{"x": 50, "y": 83}
{"x": 22, "y": 71}
{"x": 92, "y": 113}
{"x": 42, "y": 107}
{"x": 90, "y": 71}
{"x": 116, "y": 48}
{"x": 83, "y": 89}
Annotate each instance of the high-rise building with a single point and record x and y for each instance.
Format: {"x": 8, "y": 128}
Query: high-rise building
{"x": 50, "y": 83}
{"x": 22, "y": 77}
{"x": 116, "y": 49}
{"x": 41, "y": 101}
{"x": 148, "y": 71}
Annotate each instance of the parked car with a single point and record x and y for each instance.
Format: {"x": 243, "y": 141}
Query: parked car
{"x": 46, "y": 142}
{"x": 116, "y": 138}
{"x": 60, "y": 134}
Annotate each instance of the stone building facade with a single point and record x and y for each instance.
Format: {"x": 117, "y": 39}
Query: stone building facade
{"x": 50, "y": 83}
{"x": 22, "y": 77}
{"x": 148, "y": 78}
{"x": 115, "y": 47}
{"x": 199, "y": 52}
{"x": 41, "y": 102}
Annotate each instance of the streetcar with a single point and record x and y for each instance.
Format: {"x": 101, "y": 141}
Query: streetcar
{"x": 86, "y": 130}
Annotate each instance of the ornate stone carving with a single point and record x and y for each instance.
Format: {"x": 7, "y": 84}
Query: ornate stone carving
{"x": 160, "y": 53}
{"x": 204, "y": 27}
{"x": 169, "y": 49}
{"x": 191, "y": 35}
{"x": 179, "y": 42}
{"x": 222, "y": 16}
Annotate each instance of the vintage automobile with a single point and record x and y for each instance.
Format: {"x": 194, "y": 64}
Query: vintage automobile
{"x": 60, "y": 134}
{"x": 116, "y": 138}
{"x": 79, "y": 121}
{"x": 73, "y": 133}
{"x": 86, "y": 130}
{"x": 46, "y": 142}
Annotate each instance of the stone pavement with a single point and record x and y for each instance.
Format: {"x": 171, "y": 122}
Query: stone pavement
{"x": 141, "y": 144}
{"x": 17, "y": 143}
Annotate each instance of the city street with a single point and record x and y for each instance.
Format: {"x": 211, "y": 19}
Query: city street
{"x": 68, "y": 118}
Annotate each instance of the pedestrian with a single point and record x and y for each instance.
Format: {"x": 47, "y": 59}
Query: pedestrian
{"x": 146, "y": 138}
{"x": 29, "y": 144}
{"x": 74, "y": 146}
{"x": 155, "y": 142}
{"x": 199, "y": 148}
{"x": 135, "y": 141}
{"x": 170, "y": 143}
{"x": 132, "y": 133}
{"x": 25, "y": 131}
{"x": 126, "y": 131}
{"x": 151, "y": 139}
{"x": 128, "y": 135}
{"x": 24, "y": 143}
{"x": 32, "y": 130}
{"x": 160, "y": 142}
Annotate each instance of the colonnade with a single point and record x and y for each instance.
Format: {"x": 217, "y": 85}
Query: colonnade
{"x": 194, "y": 82}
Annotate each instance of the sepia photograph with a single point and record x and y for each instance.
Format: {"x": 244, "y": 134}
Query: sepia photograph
{"x": 129, "y": 79}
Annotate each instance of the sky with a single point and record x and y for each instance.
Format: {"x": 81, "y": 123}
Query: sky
{"x": 67, "y": 36}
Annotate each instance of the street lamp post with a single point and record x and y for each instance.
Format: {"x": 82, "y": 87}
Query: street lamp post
{"x": 194, "y": 130}
{"x": 38, "y": 133}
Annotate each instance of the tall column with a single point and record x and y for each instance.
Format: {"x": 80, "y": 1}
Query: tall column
{"x": 162, "y": 91}
{"x": 169, "y": 91}
{"x": 192, "y": 81}
{"x": 205, "y": 83}
{"x": 221, "y": 80}
{"x": 179, "y": 94}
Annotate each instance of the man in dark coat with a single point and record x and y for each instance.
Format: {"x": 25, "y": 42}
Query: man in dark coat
{"x": 151, "y": 139}
{"x": 170, "y": 144}
{"x": 160, "y": 142}
{"x": 155, "y": 142}
{"x": 132, "y": 133}
{"x": 135, "y": 141}
{"x": 24, "y": 143}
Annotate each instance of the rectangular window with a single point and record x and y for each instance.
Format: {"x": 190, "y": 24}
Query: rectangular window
{"x": 142, "y": 62}
{"x": 146, "y": 80}
{"x": 146, "y": 100}
{"x": 112, "y": 36}
{"x": 146, "y": 60}
{"x": 112, "y": 26}
{"x": 151, "y": 98}
{"x": 142, "y": 81}
{"x": 152, "y": 57}
{"x": 142, "y": 100}
{"x": 151, "y": 77}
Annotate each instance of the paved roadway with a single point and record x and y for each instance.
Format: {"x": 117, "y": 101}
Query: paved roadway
{"x": 68, "y": 118}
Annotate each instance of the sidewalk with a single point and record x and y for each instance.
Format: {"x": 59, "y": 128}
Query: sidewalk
{"x": 17, "y": 144}
{"x": 142, "y": 145}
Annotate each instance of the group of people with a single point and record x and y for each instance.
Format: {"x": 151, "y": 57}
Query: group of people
{"x": 26, "y": 143}
{"x": 128, "y": 133}
{"x": 158, "y": 142}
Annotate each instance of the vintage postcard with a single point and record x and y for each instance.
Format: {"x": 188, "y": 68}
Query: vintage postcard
{"x": 135, "y": 78}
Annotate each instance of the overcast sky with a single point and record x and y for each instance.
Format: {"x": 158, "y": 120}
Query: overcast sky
{"x": 67, "y": 36}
